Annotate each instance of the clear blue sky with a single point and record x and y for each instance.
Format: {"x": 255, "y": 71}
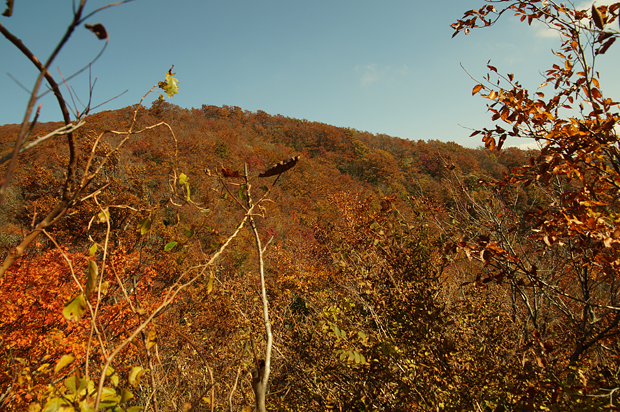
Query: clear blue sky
{"x": 386, "y": 66}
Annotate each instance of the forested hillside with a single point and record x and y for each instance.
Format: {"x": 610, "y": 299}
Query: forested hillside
{"x": 170, "y": 259}
{"x": 345, "y": 182}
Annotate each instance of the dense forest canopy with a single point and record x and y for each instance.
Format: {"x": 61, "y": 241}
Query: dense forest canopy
{"x": 162, "y": 258}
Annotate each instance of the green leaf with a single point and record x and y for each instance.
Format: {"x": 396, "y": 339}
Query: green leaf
{"x": 92, "y": 250}
{"x": 70, "y": 383}
{"x": 242, "y": 192}
{"x": 144, "y": 225}
{"x": 134, "y": 375}
{"x": 91, "y": 279}
{"x": 74, "y": 386}
{"x": 74, "y": 310}
{"x": 170, "y": 245}
{"x": 188, "y": 233}
{"x": 64, "y": 361}
{"x": 356, "y": 355}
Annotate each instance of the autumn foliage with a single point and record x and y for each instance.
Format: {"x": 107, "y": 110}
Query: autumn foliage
{"x": 199, "y": 259}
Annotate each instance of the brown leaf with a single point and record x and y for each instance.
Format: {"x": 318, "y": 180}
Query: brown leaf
{"x": 485, "y": 255}
{"x": 597, "y": 17}
{"x": 541, "y": 362}
{"x": 604, "y": 36}
{"x": 230, "y": 173}
{"x": 281, "y": 167}
{"x": 476, "y": 89}
{"x": 9, "y": 8}
{"x": 605, "y": 46}
{"x": 98, "y": 29}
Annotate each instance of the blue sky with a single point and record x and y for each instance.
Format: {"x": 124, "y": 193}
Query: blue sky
{"x": 386, "y": 66}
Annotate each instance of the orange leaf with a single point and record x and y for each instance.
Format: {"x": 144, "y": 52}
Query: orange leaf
{"x": 476, "y": 89}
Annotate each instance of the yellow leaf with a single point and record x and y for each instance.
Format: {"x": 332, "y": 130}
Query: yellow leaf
{"x": 87, "y": 405}
{"x": 172, "y": 86}
{"x": 104, "y": 216}
{"x": 104, "y": 288}
{"x": 34, "y": 407}
{"x": 151, "y": 339}
{"x": 112, "y": 375}
{"x": 91, "y": 279}
{"x": 75, "y": 309}
{"x": 125, "y": 396}
{"x": 210, "y": 284}
{"x": 134, "y": 375}
{"x": 144, "y": 225}
{"x": 64, "y": 361}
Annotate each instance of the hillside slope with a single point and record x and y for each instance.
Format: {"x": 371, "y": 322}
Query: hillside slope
{"x": 366, "y": 267}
